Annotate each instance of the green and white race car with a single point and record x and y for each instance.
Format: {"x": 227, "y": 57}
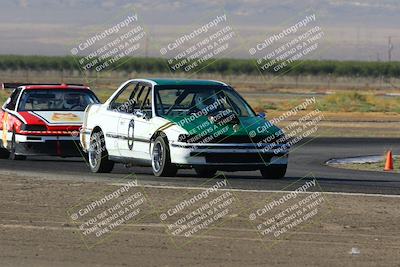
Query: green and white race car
{"x": 170, "y": 124}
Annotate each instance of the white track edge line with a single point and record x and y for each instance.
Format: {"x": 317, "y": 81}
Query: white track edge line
{"x": 263, "y": 191}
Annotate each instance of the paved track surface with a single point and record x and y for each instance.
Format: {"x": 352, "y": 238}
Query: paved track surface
{"x": 307, "y": 159}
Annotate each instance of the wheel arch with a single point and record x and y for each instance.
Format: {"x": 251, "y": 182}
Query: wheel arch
{"x": 157, "y": 134}
{"x": 97, "y": 129}
{"x": 154, "y": 137}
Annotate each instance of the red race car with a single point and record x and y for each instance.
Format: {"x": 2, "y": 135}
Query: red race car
{"x": 43, "y": 119}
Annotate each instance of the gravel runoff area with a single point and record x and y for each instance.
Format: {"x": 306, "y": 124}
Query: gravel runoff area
{"x": 47, "y": 223}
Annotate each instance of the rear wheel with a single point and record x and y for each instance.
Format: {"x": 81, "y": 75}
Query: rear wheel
{"x": 12, "y": 154}
{"x": 273, "y": 171}
{"x": 161, "y": 159}
{"x": 205, "y": 172}
{"x": 98, "y": 155}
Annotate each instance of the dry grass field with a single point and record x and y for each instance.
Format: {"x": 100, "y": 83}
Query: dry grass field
{"x": 352, "y": 107}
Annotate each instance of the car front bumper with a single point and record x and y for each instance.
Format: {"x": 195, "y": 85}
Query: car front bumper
{"x": 229, "y": 156}
{"x": 64, "y": 146}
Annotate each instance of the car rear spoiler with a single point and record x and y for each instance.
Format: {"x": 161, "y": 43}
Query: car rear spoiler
{"x": 16, "y": 85}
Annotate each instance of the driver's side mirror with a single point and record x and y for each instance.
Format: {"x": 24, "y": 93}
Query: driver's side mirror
{"x": 7, "y": 104}
{"x": 262, "y": 115}
{"x": 140, "y": 114}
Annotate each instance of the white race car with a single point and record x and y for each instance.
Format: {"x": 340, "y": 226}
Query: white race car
{"x": 170, "y": 124}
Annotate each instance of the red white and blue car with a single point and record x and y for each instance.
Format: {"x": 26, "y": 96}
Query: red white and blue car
{"x": 43, "y": 119}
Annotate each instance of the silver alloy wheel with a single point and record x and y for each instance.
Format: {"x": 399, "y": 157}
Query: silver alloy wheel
{"x": 157, "y": 159}
{"x": 94, "y": 153}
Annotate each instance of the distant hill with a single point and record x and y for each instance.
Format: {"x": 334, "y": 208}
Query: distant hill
{"x": 356, "y": 30}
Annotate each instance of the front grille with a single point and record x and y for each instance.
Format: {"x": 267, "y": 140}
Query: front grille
{"x": 238, "y": 158}
{"x": 27, "y": 127}
{"x": 33, "y": 138}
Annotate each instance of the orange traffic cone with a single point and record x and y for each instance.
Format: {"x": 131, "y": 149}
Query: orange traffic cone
{"x": 389, "y": 161}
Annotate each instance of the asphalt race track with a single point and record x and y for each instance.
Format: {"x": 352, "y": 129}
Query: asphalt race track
{"x": 306, "y": 159}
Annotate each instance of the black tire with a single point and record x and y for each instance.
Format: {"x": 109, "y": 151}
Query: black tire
{"x": 161, "y": 159}
{"x": 98, "y": 155}
{"x": 4, "y": 153}
{"x": 273, "y": 171}
{"x": 85, "y": 157}
{"x": 12, "y": 155}
{"x": 205, "y": 172}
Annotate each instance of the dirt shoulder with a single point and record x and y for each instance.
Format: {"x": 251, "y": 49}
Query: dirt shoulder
{"x": 36, "y": 229}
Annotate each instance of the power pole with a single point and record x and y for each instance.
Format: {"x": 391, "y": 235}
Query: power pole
{"x": 146, "y": 51}
{"x": 358, "y": 44}
{"x": 390, "y": 48}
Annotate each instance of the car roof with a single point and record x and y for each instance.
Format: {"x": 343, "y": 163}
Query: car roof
{"x": 162, "y": 81}
{"x": 54, "y": 87}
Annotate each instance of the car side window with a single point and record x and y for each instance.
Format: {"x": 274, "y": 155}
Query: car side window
{"x": 144, "y": 101}
{"x": 125, "y": 100}
{"x": 13, "y": 99}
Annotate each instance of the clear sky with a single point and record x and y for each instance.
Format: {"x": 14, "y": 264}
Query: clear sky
{"x": 354, "y": 30}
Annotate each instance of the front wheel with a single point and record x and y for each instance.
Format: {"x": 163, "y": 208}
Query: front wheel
{"x": 273, "y": 171}
{"x": 161, "y": 159}
{"x": 98, "y": 155}
{"x": 12, "y": 154}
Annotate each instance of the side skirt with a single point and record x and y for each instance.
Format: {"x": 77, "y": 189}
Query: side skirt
{"x": 136, "y": 162}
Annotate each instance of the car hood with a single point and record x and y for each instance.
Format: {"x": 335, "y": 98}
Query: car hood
{"x": 242, "y": 126}
{"x": 53, "y": 118}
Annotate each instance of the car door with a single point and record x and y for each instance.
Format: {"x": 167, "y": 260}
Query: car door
{"x": 118, "y": 112}
{"x": 139, "y": 127}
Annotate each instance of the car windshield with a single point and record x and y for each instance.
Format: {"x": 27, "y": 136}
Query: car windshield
{"x": 177, "y": 101}
{"x": 56, "y": 100}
